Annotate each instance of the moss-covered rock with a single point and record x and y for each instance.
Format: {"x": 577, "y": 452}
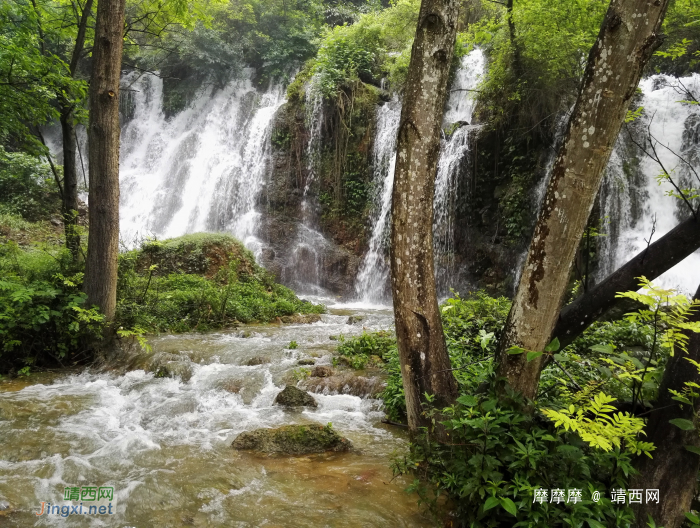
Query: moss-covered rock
{"x": 292, "y": 440}
{"x": 301, "y": 318}
{"x": 293, "y": 397}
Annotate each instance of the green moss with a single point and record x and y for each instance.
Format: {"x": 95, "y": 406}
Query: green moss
{"x": 293, "y": 440}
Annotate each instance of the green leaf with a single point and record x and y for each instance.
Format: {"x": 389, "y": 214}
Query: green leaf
{"x": 682, "y": 423}
{"x": 693, "y": 449}
{"x": 605, "y": 349}
{"x": 509, "y": 506}
{"x": 594, "y": 524}
{"x": 467, "y": 400}
{"x": 514, "y": 350}
{"x": 692, "y": 518}
{"x": 553, "y": 346}
{"x": 490, "y": 503}
{"x": 533, "y": 355}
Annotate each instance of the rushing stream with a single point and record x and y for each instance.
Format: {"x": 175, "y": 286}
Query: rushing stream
{"x": 164, "y": 444}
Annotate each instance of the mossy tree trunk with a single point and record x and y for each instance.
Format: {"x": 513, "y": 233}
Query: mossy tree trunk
{"x": 674, "y": 469}
{"x": 627, "y": 39}
{"x": 423, "y": 354}
{"x": 103, "y": 130}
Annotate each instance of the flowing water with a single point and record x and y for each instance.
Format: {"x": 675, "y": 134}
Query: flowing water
{"x": 371, "y": 285}
{"x": 164, "y": 444}
{"x": 633, "y": 204}
{"x": 201, "y": 170}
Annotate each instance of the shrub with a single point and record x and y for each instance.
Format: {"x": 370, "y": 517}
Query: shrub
{"x": 27, "y": 187}
{"x": 199, "y": 282}
{"x": 43, "y": 317}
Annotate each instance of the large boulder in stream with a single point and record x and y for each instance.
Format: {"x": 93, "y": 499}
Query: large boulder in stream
{"x": 292, "y": 440}
{"x": 293, "y": 397}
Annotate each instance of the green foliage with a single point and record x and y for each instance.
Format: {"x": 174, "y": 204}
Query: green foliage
{"x": 378, "y": 44}
{"x": 33, "y": 75}
{"x": 27, "y": 187}
{"x": 199, "y": 282}
{"x": 498, "y": 455}
{"x": 595, "y": 422}
{"x": 43, "y": 317}
{"x": 293, "y": 345}
{"x": 359, "y": 350}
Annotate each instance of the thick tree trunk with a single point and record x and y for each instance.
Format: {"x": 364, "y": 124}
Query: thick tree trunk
{"x": 103, "y": 238}
{"x": 658, "y": 258}
{"x": 674, "y": 469}
{"x": 425, "y": 363}
{"x": 626, "y": 40}
{"x": 70, "y": 184}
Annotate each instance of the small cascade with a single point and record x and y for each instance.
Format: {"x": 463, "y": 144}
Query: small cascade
{"x": 372, "y": 281}
{"x": 371, "y": 284}
{"x": 305, "y": 267}
{"x": 201, "y": 170}
{"x": 633, "y": 204}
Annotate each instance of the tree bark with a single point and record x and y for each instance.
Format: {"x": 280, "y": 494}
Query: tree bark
{"x": 70, "y": 183}
{"x": 70, "y": 172}
{"x": 424, "y": 360}
{"x": 674, "y": 469}
{"x": 103, "y": 129}
{"x": 658, "y": 258}
{"x": 627, "y": 38}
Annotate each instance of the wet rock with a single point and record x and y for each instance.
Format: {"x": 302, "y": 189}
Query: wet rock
{"x": 356, "y": 319}
{"x": 301, "y": 318}
{"x": 4, "y": 505}
{"x": 293, "y": 397}
{"x": 232, "y": 386}
{"x": 257, "y": 360}
{"x": 292, "y": 440}
{"x": 166, "y": 365}
{"x": 364, "y": 387}
{"x": 306, "y": 362}
{"x": 322, "y": 371}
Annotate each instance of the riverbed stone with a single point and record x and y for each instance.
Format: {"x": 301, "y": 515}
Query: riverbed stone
{"x": 322, "y": 371}
{"x": 301, "y": 318}
{"x": 356, "y": 319}
{"x": 292, "y": 440}
{"x": 294, "y": 397}
{"x": 257, "y": 360}
{"x": 306, "y": 361}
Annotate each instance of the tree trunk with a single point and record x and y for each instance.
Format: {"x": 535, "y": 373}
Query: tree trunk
{"x": 70, "y": 184}
{"x": 425, "y": 363}
{"x": 674, "y": 469}
{"x": 103, "y": 238}
{"x": 627, "y": 38}
{"x": 70, "y": 172}
{"x": 658, "y": 258}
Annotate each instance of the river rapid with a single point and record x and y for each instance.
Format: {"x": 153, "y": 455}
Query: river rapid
{"x": 164, "y": 445}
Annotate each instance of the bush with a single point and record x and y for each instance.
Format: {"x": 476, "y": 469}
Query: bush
{"x": 499, "y": 455}
{"x": 27, "y": 187}
{"x": 199, "y": 282}
{"x": 359, "y": 350}
{"x": 43, "y": 317}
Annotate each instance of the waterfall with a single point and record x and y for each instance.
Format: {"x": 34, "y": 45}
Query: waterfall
{"x": 632, "y": 202}
{"x": 371, "y": 285}
{"x": 201, "y": 170}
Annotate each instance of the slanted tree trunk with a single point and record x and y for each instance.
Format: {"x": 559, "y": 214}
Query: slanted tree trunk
{"x": 425, "y": 363}
{"x": 70, "y": 172}
{"x": 674, "y": 469}
{"x": 658, "y": 258}
{"x": 627, "y": 38}
{"x": 103, "y": 237}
